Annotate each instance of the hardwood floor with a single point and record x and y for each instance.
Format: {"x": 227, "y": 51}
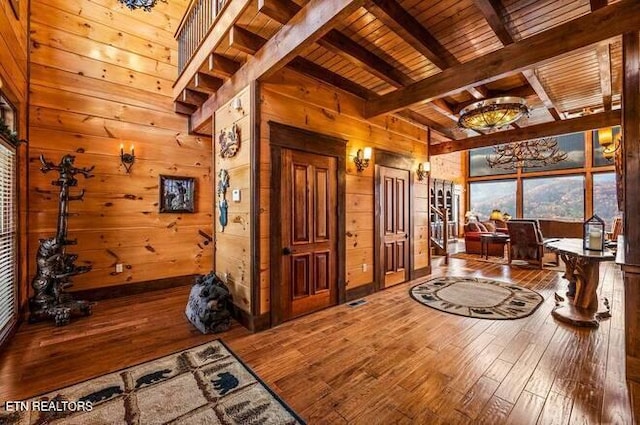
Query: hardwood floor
{"x": 391, "y": 360}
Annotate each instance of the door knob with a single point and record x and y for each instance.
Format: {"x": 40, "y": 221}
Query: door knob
{"x": 286, "y": 250}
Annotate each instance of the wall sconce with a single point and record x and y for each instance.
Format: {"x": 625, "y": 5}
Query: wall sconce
{"x": 237, "y": 104}
{"x": 127, "y": 159}
{"x": 362, "y": 159}
{"x": 609, "y": 145}
{"x": 423, "y": 170}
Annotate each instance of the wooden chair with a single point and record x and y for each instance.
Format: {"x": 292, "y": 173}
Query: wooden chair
{"x": 526, "y": 241}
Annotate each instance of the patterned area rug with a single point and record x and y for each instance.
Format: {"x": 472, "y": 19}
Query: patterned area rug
{"x": 208, "y": 384}
{"x": 477, "y": 297}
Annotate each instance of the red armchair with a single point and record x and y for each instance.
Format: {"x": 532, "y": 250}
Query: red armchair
{"x": 472, "y": 233}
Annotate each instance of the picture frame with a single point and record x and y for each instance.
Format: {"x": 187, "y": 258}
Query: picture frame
{"x": 177, "y": 194}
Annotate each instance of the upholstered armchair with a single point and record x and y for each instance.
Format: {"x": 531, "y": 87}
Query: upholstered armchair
{"x": 526, "y": 241}
{"x": 472, "y": 232}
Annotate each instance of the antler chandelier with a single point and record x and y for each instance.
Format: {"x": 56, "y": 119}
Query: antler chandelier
{"x": 526, "y": 154}
{"x": 147, "y": 5}
{"x": 489, "y": 114}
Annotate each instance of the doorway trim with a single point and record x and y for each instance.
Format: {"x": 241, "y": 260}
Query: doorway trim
{"x": 282, "y": 136}
{"x": 401, "y": 162}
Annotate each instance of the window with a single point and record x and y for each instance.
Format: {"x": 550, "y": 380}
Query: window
{"x": 605, "y": 202}
{"x": 478, "y": 165}
{"x": 554, "y": 197}
{"x": 487, "y": 196}
{"x": 8, "y": 223}
{"x": 573, "y": 146}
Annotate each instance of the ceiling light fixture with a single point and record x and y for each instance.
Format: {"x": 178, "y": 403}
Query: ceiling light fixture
{"x": 495, "y": 113}
{"x": 146, "y": 5}
{"x": 526, "y": 154}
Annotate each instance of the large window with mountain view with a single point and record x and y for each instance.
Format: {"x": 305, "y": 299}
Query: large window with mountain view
{"x": 553, "y": 197}
{"x": 604, "y": 197}
{"x": 556, "y": 191}
{"x": 487, "y": 196}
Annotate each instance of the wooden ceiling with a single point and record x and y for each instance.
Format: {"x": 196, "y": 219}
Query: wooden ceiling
{"x": 385, "y": 48}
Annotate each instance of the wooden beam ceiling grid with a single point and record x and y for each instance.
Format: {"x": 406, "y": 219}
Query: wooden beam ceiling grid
{"x": 338, "y": 64}
{"x": 573, "y": 81}
{"x": 526, "y": 54}
{"x": 527, "y": 18}
{"x": 386, "y": 44}
{"x": 458, "y": 27}
{"x": 305, "y": 28}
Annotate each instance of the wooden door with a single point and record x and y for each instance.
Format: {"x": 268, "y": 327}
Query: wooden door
{"x": 309, "y": 232}
{"x": 394, "y": 225}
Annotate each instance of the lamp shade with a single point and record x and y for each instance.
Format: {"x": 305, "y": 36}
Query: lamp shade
{"x": 605, "y": 136}
{"x": 496, "y": 215}
{"x": 488, "y": 114}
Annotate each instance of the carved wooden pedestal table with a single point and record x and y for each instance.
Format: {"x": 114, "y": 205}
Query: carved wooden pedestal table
{"x": 580, "y": 306}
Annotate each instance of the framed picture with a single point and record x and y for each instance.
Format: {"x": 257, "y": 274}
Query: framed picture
{"x": 177, "y": 194}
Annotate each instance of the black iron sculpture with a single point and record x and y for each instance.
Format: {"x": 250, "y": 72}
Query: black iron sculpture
{"x": 209, "y": 305}
{"x": 54, "y": 265}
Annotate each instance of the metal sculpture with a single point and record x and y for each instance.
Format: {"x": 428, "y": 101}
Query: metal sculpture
{"x": 223, "y": 184}
{"x": 209, "y": 305}
{"x": 54, "y": 265}
{"x": 229, "y": 141}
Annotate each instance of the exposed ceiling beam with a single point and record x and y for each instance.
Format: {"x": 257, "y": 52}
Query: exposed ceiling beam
{"x": 221, "y": 66}
{"x": 305, "y": 28}
{"x": 318, "y": 72}
{"x": 245, "y": 41}
{"x": 224, "y": 21}
{"x": 342, "y": 45}
{"x": 192, "y": 97}
{"x": 279, "y": 10}
{"x": 479, "y": 92}
{"x": 588, "y": 122}
{"x": 535, "y": 83}
{"x": 206, "y": 83}
{"x": 183, "y": 108}
{"x": 597, "y": 4}
{"x": 604, "y": 64}
{"x": 523, "y": 91}
{"x": 444, "y": 108}
{"x": 493, "y": 12}
{"x": 578, "y": 33}
{"x": 417, "y": 118}
{"x": 394, "y": 16}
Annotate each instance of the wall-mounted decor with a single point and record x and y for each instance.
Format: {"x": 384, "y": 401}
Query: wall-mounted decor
{"x": 15, "y": 6}
{"x": 229, "y": 141}
{"x": 223, "y": 184}
{"x": 54, "y": 266}
{"x": 177, "y": 194}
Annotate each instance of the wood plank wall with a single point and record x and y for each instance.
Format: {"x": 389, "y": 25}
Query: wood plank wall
{"x": 233, "y": 253}
{"x": 102, "y": 75}
{"x": 293, "y": 99}
{"x": 14, "y": 35}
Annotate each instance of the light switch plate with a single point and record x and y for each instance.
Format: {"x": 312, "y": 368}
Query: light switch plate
{"x": 235, "y": 195}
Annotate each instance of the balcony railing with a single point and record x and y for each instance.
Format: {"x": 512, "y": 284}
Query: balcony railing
{"x": 195, "y": 26}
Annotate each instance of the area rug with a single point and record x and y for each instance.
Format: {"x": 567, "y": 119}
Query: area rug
{"x": 208, "y": 384}
{"x": 477, "y": 297}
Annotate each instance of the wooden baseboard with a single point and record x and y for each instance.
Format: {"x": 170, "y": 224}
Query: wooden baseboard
{"x": 360, "y": 291}
{"x": 425, "y": 271}
{"x": 253, "y": 323}
{"x": 136, "y": 288}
